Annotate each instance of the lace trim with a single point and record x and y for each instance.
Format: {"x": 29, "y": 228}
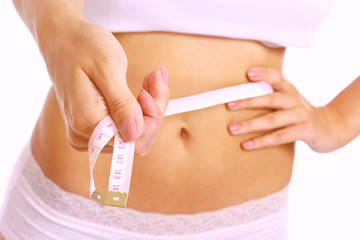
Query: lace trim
{"x": 147, "y": 223}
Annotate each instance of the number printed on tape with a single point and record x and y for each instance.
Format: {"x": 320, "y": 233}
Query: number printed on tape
{"x": 123, "y": 153}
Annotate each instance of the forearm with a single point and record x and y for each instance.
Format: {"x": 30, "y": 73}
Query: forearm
{"x": 346, "y": 110}
{"x": 43, "y": 17}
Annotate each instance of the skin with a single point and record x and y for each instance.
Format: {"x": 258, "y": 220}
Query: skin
{"x": 324, "y": 129}
{"x": 180, "y": 168}
{"x": 181, "y": 172}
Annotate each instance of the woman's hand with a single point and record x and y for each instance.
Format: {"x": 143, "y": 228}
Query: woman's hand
{"x": 88, "y": 67}
{"x": 292, "y": 117}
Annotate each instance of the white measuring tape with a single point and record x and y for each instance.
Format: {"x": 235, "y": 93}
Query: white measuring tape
{"x": 123, "y": 153}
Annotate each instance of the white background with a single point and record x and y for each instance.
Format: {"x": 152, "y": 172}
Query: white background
{"x": 325, "y": 193}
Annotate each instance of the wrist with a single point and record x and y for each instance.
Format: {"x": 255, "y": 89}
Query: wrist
{"x": 335, "y": 128}
{"x": 53, "y": 24}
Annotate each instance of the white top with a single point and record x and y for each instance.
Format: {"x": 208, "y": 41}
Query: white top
{"x": 278, "y": 22}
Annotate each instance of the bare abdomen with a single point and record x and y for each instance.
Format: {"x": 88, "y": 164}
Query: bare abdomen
{"x": 194, "y": 165}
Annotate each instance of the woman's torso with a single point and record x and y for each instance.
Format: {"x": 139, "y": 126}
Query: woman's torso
{"x": 194, "y": 165}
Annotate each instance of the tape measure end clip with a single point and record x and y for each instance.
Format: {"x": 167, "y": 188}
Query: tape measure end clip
{"x": 98, "y": 197}
{"x": 115, "y": 199}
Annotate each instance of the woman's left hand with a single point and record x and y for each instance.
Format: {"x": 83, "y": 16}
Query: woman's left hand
{"x": 293, "y": 117}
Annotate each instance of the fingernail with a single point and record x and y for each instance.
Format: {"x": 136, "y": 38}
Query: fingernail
{"x": 164, "y": 75}
{"x": 234, "y": 129}
{"x": 232, "y": 105}
{"x": 128, "y": 129}
{"x": 143, "y": 91}
{"x": 254, "y": 74}
{"x": 248, "y": 144}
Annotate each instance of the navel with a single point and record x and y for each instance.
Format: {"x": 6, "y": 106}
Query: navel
{"x": 184, "y": 133}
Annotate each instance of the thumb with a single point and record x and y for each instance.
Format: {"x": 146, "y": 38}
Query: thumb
{"x": 123, "y": 106}
{"x": 127, "y": 114}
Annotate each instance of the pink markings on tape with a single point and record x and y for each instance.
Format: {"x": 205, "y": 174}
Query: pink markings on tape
{"x": 123, "y": 153}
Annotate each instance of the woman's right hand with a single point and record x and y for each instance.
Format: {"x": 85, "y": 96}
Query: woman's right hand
{"x": 88, "y": 67}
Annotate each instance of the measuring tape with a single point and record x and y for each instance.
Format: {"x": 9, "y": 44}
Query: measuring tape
{"x": 123, "y": 153}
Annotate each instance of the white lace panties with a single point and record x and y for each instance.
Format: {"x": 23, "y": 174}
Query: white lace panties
{"x": 32, "y": 195}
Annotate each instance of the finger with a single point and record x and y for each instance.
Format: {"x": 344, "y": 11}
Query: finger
{"x": 78, "y": 146}
{"x": 270, "y": 75}
{"x": 148, "y": 105}
{"x": 279, "y": 137}
{"x": 156, "y": 83}
{"x": 153, "y": 104}
{"x": 109, "y": 75}
{"x": 83, "y": 109}
{"x": 82, "y": 117}
{"x": 269, "y": 121}
{"x": 106, "y": 149}
{"x": 153, "y": 120}
{"x": 152, "y": 128}
{"x": 79, "y": 143}
{"x": 276, "y": 100}
{"x": 76, "y": 141}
